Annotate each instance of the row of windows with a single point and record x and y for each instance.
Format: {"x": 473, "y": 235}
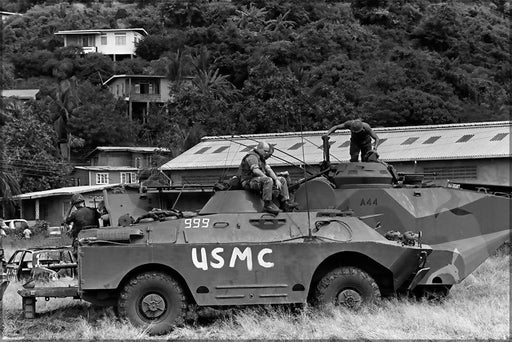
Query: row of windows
{"x": 126, "y": 177}
{"x": 120, "y": 39}
{"x": 89, "y": 40}
{"x": 408, "y": 141}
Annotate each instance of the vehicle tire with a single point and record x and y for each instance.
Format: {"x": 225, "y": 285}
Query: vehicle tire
{"x": 153, "y": 300}
{"x": 348, "y": 286}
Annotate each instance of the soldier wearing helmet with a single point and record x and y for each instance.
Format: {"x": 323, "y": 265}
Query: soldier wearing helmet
{"x": 256, "y": 174}
{"x": 83, "y": 217}
{"x": 361, "y": 135}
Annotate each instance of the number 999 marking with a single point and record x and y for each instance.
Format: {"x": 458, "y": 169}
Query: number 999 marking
{"x": 197, "y": 222}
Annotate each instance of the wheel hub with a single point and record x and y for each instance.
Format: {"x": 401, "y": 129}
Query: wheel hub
{"x": 153, "y": 306}
{"x": 350, "y": 298}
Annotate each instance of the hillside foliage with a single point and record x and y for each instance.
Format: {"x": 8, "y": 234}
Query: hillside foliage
{"x": 263, "y": 66}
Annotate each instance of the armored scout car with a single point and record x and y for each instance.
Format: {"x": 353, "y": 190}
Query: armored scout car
{"x": 233, "y": 254}
{"x": 463, "y": 227}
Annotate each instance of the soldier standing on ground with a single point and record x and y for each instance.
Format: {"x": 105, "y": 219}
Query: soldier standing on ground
{"x": 256, "y": 174}
{"x": 361, "y": 135}
{"x": 82, "y": 218}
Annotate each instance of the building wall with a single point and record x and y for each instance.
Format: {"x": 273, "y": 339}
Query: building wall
{"x": 110, "y": 48}
{"x": 53, "y": 209}
{"x": 165, "y": 89}
{"x": 491, "y": 171}
{"x": 113, "y": 159}
{"x": 81, "y": 177}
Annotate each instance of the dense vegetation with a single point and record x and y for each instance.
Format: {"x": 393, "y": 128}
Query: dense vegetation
{"x": 256, "y": 66}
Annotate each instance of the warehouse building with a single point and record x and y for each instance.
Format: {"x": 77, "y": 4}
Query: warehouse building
{"x": 476, "y": 154}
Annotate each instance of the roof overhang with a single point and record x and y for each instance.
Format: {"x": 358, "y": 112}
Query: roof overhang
{"x": 66, "y": 191}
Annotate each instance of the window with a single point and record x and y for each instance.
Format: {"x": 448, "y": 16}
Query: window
{"x": 120, "y": 38}
{"x": 87, "y": 41}
{"x": 432, "y": 140}
{"x": 248, "y": 148}
{"x": 203, "y": 150}
{"x": 128, "y": 177}
{"x": 102, "y": 178}
{"x": 220, "y": 149}
{"x": 103, "y": 39}
{"x": 330, "y": 144}
{"x": 465, "y": 138}
{"x": 296, "y": 146}
{"x": 409, "y": 141}
{"x": 499, "y": 136}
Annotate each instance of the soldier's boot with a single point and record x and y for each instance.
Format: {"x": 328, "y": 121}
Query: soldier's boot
{"x": 270, "y": 207}
{"x": 289, "y": 205}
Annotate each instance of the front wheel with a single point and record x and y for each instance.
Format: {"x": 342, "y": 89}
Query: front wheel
{"x": 347, "y": 286}
{"x": 153, "y": 300}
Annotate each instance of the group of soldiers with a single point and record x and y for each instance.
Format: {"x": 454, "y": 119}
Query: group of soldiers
{"x": 255, "y": 175}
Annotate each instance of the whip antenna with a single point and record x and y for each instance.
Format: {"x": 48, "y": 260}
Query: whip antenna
{"x": 305, "y": 183}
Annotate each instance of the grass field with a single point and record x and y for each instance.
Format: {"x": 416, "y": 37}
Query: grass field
{"x": 478, "y": 308}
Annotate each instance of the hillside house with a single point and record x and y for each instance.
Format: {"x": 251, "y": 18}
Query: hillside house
{"x": 20, "y": 94}
{"x": 116, "y": 43}
{"x": 6, "y": 15}
{"x": 140, "y": 91}
{"x": 116, "y": 164}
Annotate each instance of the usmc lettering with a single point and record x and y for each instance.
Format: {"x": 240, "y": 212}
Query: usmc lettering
{"x": 217, "y": 258}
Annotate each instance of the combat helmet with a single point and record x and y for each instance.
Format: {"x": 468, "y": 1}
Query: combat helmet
{"x": 77, "y": 198}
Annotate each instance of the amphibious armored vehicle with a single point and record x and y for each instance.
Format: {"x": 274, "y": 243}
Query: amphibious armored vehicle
{"x": 463, "y": 227}
{"x": 231, "y": 253}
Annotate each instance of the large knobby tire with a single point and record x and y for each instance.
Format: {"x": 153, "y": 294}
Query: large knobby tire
{"x": 348, "y": 286}
{"x": 154, "y": 301}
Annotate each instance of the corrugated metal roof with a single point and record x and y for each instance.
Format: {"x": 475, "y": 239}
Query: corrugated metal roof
{"x": 98, "y": 31}
{"x": 132, "y": 149}
{"x": 65, "y": 191}
{"x": 107, "y": 168}
{"x": 22, "y": 94}
{"x": 133, "y": 76}
{"x": 480, "y": 145}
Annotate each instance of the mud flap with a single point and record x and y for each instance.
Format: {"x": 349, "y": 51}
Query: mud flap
{"x": 419, "y": 275}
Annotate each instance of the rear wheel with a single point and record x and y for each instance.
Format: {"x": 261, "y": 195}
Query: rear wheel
{"x": 347, "y": 286}
{"x": 153, "y": 300}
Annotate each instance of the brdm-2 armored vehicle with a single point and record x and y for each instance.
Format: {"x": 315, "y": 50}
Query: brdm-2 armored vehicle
{"x": 231, "y": 253}
{"x": 463, "y": 227}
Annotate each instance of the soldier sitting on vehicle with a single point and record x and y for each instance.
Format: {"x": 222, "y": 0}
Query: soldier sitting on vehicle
{"x": 256, "y": 174}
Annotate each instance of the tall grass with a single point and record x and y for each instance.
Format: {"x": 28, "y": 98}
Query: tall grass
{"x": 477, "y": 308}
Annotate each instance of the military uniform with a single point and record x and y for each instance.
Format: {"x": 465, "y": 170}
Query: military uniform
{"x": 361, "y": 135}
{"x": 263, "y": 184}
{"x": 83, "y": 218}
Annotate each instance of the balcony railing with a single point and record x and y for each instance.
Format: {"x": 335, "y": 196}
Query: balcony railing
{"x": 89, "y": 49}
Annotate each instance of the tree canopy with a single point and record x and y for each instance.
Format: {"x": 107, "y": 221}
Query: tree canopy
{"x": 253, "y": 66}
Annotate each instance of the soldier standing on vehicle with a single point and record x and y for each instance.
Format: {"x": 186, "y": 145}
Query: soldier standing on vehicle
{"x": 82, "y": 218}
{"x": 360, "y": 138}
{"x": 256, "y": 174}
